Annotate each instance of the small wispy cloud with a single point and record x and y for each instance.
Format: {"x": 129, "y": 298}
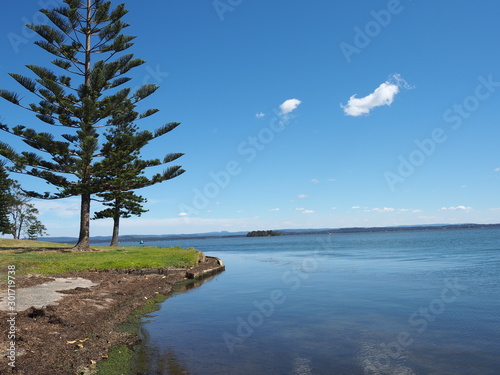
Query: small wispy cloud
{"x": 274, "y": 209}
{"x": 182, "y": 214}
{"x": 497, "y": 169}
{"x": 260, "y": 115}
{"x": 355, "y": 207}
{"x": 457, "y": 208}
{"x": 308, "y": 212}
{"x": 383, "y": 95}
{"x": 288, "y": 106}
{"x": 385, "y": 209}
{"x": 302, "y": 196}
{"x": 299, "y": 209}
{"x": 315, "y": 181}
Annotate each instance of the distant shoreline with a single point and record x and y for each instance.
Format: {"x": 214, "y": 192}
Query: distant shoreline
{"x": 285, "y": 232}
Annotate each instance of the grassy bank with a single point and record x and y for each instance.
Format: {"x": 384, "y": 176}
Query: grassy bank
{"x": 46, "y": 258}
{"x": 115, "y": 305}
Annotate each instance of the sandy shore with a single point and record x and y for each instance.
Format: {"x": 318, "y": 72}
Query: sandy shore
{"x": 79, "y": 330}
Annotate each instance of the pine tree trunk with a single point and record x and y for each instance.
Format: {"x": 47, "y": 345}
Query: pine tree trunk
{"x": 83, "y": 240}
{"x": 116, "y": 229}
{"x": 116, "y": 223}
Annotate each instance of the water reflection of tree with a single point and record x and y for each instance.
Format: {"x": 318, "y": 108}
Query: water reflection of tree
{"x": 168, "y": 363}
{"x": 151, "y": 360}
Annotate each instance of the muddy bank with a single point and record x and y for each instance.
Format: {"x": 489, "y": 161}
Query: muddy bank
{"x": 79, "y": 331}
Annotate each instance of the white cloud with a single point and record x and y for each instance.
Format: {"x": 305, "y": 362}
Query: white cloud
{"x": 383, "y": 95}
{"x": 497, "y": 169}
{"x": 385, "y": 209}
{"x": 66, "y": 208}
{"x": 417, "y": 211}
{"x": 461, "y": 208}
{"x": 299, "y": 209}
{"x": 356, "y": 207}
{"x": 315, "y": 181}
{"x": 260, "y": 115}
{"x": 308, "y": 212}
{"x": 288, "y": 106}
{"x": 274, "y": 209}
{"x": 182, "y": 214}
{"x": 302, "y": 196}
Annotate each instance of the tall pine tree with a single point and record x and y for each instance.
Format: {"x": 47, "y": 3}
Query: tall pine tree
{"x": 123, "y": 169}
{"x": 87, "y": 42}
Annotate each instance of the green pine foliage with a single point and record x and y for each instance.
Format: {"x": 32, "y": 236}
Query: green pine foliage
{"x": 124, "y": 172}
{"x": 120, "y": 205}
{"x": 84, "y": 94}
{"x": 5, "y": 200}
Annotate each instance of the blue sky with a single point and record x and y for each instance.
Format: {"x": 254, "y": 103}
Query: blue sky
{"x": 336, "y": 114}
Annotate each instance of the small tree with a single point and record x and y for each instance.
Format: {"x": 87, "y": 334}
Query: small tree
{"x": 5, "y": 201}
{"x": 23, "y": 214}
{"x": 83, "y": 31}
{"x": 121, "y": 205}
{"x": 35, "y": 230}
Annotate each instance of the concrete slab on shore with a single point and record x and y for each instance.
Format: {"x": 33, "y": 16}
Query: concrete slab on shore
{"x": 42, "y": 295}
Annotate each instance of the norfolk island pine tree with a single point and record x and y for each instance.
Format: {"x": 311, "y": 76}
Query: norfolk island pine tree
{"x": 124, "y": 168}
{"x": 82, "y": 29}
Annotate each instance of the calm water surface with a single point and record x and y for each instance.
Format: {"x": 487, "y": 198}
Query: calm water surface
{"x": 423, "y": 302}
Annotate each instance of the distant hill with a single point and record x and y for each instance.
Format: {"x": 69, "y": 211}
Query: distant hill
{"x": 264, "y": 233}
{"x": 288, "y": 232}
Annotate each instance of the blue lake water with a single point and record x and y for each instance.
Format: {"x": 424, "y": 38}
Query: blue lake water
{"x": 424, "y": 302}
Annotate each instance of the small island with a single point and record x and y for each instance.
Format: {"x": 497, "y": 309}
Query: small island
{"x": 263, "y": 233}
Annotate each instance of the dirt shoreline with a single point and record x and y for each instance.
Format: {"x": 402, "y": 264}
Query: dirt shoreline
{"x": 79, "y": 331}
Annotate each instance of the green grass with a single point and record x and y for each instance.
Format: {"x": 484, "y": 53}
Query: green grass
{"x": 15, "y": 244}
{"x": 119, "y": 362}
{"x": 45, "y": 258}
